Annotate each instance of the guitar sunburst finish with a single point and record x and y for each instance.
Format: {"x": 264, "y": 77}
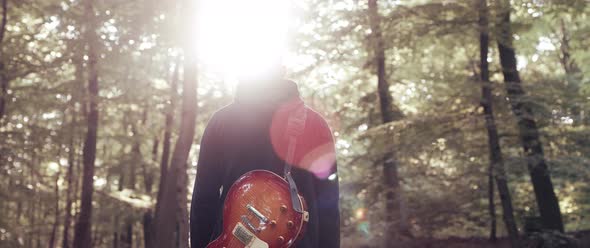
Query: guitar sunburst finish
{"x": 258, "y": 213}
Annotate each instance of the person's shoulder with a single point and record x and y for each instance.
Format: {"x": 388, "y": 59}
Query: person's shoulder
{"x": 314, "y": 114}
{"x": 219, "y": 116}
{"x": 222, "y": 112}
{"x": 316, "y": 119}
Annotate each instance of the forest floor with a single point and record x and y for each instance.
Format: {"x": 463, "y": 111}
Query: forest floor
{"x": 455, "y": 243}
{"x": 582, "y": 241}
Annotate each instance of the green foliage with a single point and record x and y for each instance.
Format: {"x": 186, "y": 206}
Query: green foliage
{"x": 432, "y": 63}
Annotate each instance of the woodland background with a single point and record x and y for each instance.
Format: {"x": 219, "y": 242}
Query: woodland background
{"x": 455, "y": 121}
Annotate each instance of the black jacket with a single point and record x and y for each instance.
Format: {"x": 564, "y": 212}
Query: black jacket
{"x": 247, "y": 135}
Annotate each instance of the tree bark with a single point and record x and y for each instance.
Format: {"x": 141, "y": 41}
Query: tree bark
{"x": 573, "y": 75}
{"x": 136, "y": 155}
{"x": 148, "y": 218}
{"x": 53, "y": 235}
{"x": 3, "y": 80}
{"x": 395, "y": 202}
{"x": 148, "y": 175}
{"x": 148, "y": 229}
{"x": 569, "y": 64}
{"x": 127, "y": 237}
{"x": 71, "y": 159}
{"x": 172, "y": 193}
{"x": 491, "y": 203}
{"x": 486, "y": 103}
{"x": 115, "y": 238}
{"x": 4, "y": 19}
{"x": 68, "y": 207}
{"x": 528, "y": 131}
{"x": 82, "y": 237}
{"x": 169, "y": 122}
{"x": 182, "y": 215}
{"x": 37, "y": 213}
{"x": 31, "y": 213}
{"x": 170, "y": 206}
{"x": 496, "y": 169}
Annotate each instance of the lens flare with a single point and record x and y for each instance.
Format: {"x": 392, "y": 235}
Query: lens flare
{"x": 360, "y": 213}
{"x": 314, "y": 151}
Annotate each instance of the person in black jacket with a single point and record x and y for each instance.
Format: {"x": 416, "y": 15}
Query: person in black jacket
{"x": 247, "y": 135}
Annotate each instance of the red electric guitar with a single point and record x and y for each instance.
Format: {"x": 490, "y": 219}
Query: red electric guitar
{"x": 259, "y": 212}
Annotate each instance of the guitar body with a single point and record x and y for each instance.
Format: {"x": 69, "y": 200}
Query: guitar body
{"x": 258, "y": 213}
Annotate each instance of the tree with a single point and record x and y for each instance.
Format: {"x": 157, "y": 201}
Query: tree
{"x": 3, "y": 81}
{"x": 395, "y": 203}
{"x": 174, "y": 196}
{"x": 573, "y": 74}
{"x": 166, "y": 218}
{"x": 496, "y": 168}
{"x": 169, "y": 121}
{"x": 547, "y": 202}
{"x": 430, "y": 66}
{"x": 71, "y": 160}
{"x": 82, "y": 236}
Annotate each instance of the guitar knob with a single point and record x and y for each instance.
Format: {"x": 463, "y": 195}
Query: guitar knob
{"x": 281, "y": 239}
{"x": 273, "y": 223}
{"x": 290, "y": 224}
{"x": 283, "y": 208}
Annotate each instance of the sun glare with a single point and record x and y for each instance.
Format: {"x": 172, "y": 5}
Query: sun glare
{"x": 242, "y": 38}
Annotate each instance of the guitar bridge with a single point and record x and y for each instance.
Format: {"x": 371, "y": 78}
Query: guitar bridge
{"x": 257, "y": 213}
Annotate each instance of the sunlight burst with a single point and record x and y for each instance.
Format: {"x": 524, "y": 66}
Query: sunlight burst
{"x": 242, "y": 38}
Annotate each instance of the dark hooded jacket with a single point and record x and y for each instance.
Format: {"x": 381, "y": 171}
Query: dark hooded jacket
{"x": 247, "y": 135}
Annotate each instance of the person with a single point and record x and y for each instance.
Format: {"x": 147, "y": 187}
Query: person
{"x": 245, "y": 136}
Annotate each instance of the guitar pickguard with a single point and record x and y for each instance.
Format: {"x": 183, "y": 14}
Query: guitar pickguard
{"x": 248, "y": 238}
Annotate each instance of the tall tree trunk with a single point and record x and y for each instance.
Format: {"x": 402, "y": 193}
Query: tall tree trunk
{"x": 172, "y": 199}
{"x": 69, "y": 179}
{"x": 529, "y": 132}
{"x": 71, "y": 158}
{"x": 127, "y": 235}
{"x": 82, "y": 110}
{"x": 569, "y": 64}
{"x": 115, "y": 237}
{"x": 148, "y": 229}
{"x": 497, "y": 169}
{"x": 491, "y": 203}
{"x": 31, "y": 213}
{"x": 395, "y": 202}
{"x": 4, "y": 19}
{"x": 3, "y": 79}
{"x": 37, "y": 213}
{"x": 82, "y": 237}
{"x": 573, "y": 75}
{"x": 19, "y": 210}
{"x": 169, "y": 206}
{"x": 168, "y": 125}
{"x": 182, "y": 215}
{"x": 136, "y": 155}
{"x": 169, "y": 122}
{"x": 78, "y": 178}
{"x": 148, "y": 219}
{"x": 148, "y": 175}
{"x": 116, "y": 230}
{"x": 53, "y": 235}
{"x": 486, "y": 103}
